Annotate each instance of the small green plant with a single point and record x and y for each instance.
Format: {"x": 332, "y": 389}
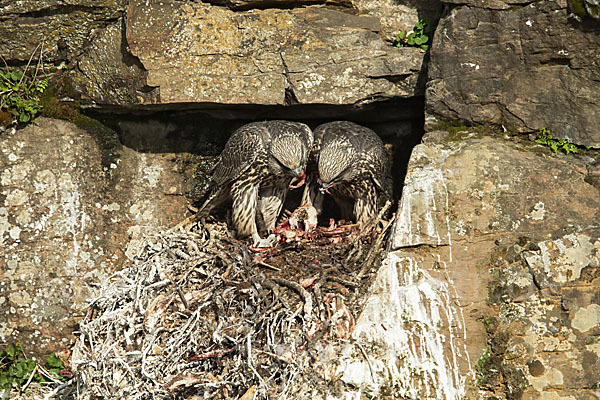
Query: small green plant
{"x": 420, "y": 36}
{"x": 16, "y": 370}
{"x": 481, "y": 367}
{"x": 545, "y": 138}
{"x": 19, "y": 94}
{"x": 487, "y": 323}
{"x": 20, "y": 91}
{"x": 54, "y": 366}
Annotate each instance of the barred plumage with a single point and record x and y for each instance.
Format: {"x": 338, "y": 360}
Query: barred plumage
{"x": 349, "y": 162}
{"x": 258, "y": 164}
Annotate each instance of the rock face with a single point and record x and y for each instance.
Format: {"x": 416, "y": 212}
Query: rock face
{"x": 69, "y": 207}
{"x": 247, "y": 4}
{"x": 396, "y": 16}
{"x": 108, "y": 74}
{"x": 331, "y": 52}
{"x": 270, "y": 57}
{"x": 59, "y": 27}
{"x": 525, "y": 68}
{"x": 490, "y": 286}
{"x": 487, "y": 212}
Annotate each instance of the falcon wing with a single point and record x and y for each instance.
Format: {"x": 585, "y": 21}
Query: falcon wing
{"x": 241, "y": 152}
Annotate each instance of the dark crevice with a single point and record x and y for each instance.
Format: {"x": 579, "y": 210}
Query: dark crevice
{"x": 203, "y": 132}
{"x": 533, "y": 277}
{"x": 422, "y": 246}
{"x": 558, "y": 61}
{"x": 382, "y": 113}
{"x": 290, "y": 97}
{"x": 392, "y": 78}
{"x": 128, "y": 58}
{"x": 59, "y": 10}
{"x": 279, "y": 4}
{"x": 593, "y": 176}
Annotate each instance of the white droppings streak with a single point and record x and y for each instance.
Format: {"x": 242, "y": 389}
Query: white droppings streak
{"x": 415, "y": 329}
{"x": 419, "y": 214}
{"x": 412, "y": 320}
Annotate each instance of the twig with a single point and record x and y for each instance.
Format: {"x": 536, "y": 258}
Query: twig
{"x": 364, "y": 353}
{"x": 30, "y": 379}
{"x": 4, "y": 61}
{"x": 185, "y": 222}
{"x": 288, "y": 384}
{"x": 57, "y": 389}
{"x": 182, "y": 297}
{"x": 28, "y": 62}
{"x": 344, "y": 282}
{"x": 264, "y": 264}
{"x": 37, "y": 67}
{"x": 249, "y": 350}
{"x": 210, "y": 354}
{"x": 374, "y": 249}
{"x": 305, "y": 295}
{"x": 47, "y": 374}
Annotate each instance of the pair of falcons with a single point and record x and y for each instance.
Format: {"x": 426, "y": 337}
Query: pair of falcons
{"x": 263, "y": 160}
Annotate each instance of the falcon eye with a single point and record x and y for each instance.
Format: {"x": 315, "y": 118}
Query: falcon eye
{"x": 285, "y": 168}
{"x": 346, "y": 172}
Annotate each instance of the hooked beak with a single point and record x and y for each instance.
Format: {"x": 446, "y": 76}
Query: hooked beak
{"x": 298, "y": 180}
{"x": 325, "y": 186}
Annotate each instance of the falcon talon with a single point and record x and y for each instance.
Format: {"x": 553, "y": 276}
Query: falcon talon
{"x": 260, "y": 244}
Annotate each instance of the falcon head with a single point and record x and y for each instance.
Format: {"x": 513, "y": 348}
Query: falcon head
{"x": 337, "y": 163}
{"x": 287, "y": 156}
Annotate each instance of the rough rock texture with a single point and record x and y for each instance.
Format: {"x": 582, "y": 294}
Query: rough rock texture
{"x": 69, "y": 207}
{"x": 332, "y": 52}
{"x": 107, "y": 73}
{"x": 247, "y": 4}
{"x": 526, "y": 68}
{"x": 62, "y": 26}
{"x": 202, "y": 53}
{"x": 488, "y": 212}
{"x": 396, "y": 16}
{"x": 490, "y": 4}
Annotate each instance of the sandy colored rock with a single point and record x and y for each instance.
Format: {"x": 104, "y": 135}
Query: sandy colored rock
{"x": 71, "y": 208}
{"x": 62, "y": 26}
{"x": 203, "y": 53}
{"x": 108, "y": 74}
{"x": 480, "y": 216}
{"x": 396, "y": 16}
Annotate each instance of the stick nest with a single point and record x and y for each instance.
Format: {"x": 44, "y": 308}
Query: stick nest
{"x": 198, "y": 314}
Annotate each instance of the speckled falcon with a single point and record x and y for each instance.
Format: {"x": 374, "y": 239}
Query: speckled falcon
{"x": 261, "y": 161}
{"x": 348, "y": 161}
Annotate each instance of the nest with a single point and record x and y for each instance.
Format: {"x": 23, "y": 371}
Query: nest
{"x": 198, "y": 315}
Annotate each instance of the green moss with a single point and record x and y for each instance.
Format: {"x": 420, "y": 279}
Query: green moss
{"x": 577, "y": 8}
{"x": 106, "y": 138}
{"x": 199, "y": 168}
{"x": 555, "y": 144}
{"x": 459, "y": 131}
{"x": 54, "y": 108}
{"x": 483, "y": 368}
